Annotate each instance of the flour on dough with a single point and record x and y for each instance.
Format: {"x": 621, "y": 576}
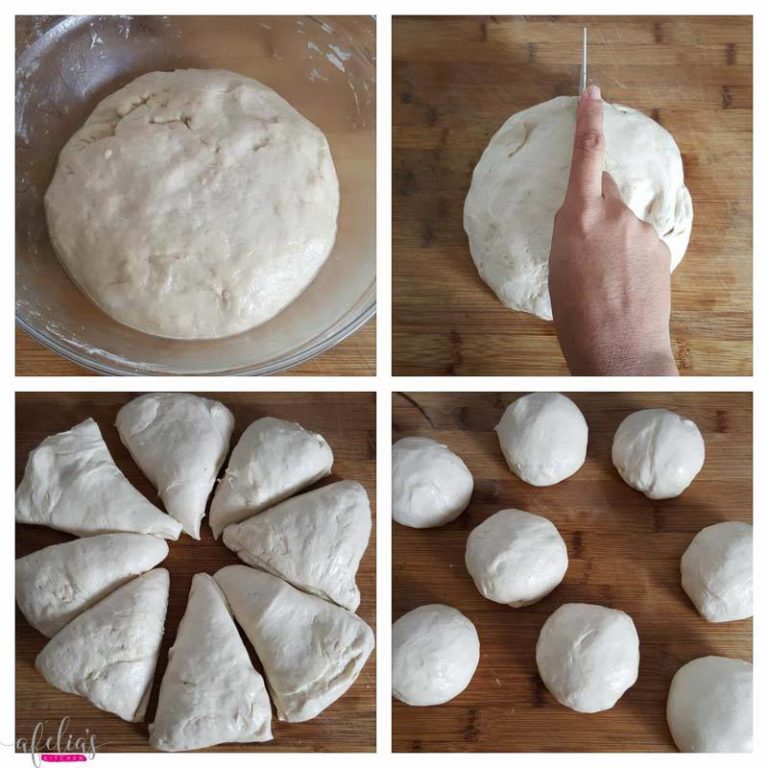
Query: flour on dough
{"x": 194, "y": 204}
{"x": 520, "y": 181}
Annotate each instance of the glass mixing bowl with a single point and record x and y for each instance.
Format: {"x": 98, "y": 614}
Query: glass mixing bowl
{"x": 325, "y": 67}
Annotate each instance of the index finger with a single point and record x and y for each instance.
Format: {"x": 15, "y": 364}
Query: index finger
{"x": 586, "y": 179}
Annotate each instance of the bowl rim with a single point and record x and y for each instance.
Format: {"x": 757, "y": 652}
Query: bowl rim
{"x": 260, "y": 369}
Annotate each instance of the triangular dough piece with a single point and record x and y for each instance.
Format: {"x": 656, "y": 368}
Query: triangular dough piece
{"x": 72, "y": 484}
{"x": 108, "y": 653}
{"x": 272, "y": 460}
{"x": 315, "y": 541}
{"x": 55, "y": 584}
{"x": 180, "y": 442}
{"x": 311, "y": 650}
{"x": 210, "y": 693}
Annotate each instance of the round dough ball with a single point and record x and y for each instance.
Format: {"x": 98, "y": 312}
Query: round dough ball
{"x": 194, "y": 204}
{"x": 588, "y": 655}
{"x": 516, "y": 558}
{"x": 709, "y": 708}
{"x": 431, "y": 485}
{"x": 716, "y": 571}
{"x": 435, "y": 652}
{"x": 543, "y": 437}
{"x": 520, "y": 182}
{"x": 658, "y": 452}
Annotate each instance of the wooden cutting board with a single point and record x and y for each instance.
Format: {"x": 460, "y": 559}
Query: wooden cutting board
{"x": 456, "y": 80}
{"x": 624, "y": 552}
{"x": 347, "y": 421}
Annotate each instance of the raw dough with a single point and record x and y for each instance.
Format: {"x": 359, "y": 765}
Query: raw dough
{"x": 543, "y": 437}
{"x": 658, "y": 452}
{"x": 55, "y": 584}
{"x": 520, "y": 181}
{"x": 716, "y": 571}
{"x": 72, "y": 484}
{"x": 210, "y": 693}
{"x": 431, "y": 485}
{"x": 108, "y": 653}
{"x": 194, "y": 204}
{"x": 516, "y": 558}
{"x": 709, "y": 708}
{"x": 314, "y": 541}
{"x": 435, "y": 652}
{"x": 180, "y": 442}
{"x": 311, "y": 650}
{"x": 272, "y": 460}
{"x": 588, "y": 656}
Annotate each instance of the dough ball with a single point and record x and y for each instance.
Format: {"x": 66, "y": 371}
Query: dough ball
{"x": 435, "y": 652}
{"x": 520, "y": 182}
{"x": 543, "y": 437}
{"x": 431, "y": 485}
{"x": 709, "y": 708}
{"x": 516, "y": 558}
{"x": 658, "y": 452}
{"x": 194, "y": 204}
{"x": 716, "y": 571}
{"x": 588, "y": 655}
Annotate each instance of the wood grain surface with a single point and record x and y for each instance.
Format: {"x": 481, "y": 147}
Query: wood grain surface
{"x": 355, "y": 356}
{"x": 456, "y": 80}
{"x": 346, "y": 420}
{"x": 624, "y": 552}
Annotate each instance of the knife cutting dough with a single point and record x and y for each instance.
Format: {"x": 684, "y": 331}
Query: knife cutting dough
{"x": 578, "y": 212}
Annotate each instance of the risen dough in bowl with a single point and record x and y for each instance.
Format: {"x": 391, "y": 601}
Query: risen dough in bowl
{"x": 520, "y": 181}
{"x": 194, "y": 204}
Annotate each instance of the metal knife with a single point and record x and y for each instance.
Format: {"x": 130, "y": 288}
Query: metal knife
{"x": 583, "y": 68}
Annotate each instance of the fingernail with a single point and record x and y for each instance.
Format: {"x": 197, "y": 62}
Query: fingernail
{"x": 593, "y": 92}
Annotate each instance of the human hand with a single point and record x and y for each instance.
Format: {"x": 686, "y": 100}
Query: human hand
{"x": 609, "y": 273}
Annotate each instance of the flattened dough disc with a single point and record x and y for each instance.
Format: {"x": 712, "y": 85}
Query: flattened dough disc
{"x": 519, "y": 184}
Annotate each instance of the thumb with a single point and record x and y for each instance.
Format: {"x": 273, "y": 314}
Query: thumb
{"x": 585, "y": 182}
{"x": 611, "y": 188}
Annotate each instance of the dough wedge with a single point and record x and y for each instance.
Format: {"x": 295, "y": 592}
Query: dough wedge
{"x": 315, "y": 540}
{"x": 311, "y": 650}
{"x": 58, "y": 583}
{"x": 108, "y": 654}
{"x": 180, "y": 442}
{"x": 272, "y": 460}
{"x": 210, "y": 693}
{"x": 71, "y": 483}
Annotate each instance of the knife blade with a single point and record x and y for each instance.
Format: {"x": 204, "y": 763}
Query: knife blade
{"x": 583, "y": 68}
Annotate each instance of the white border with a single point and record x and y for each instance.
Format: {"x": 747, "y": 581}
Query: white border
{"x": 383, "y": 383}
